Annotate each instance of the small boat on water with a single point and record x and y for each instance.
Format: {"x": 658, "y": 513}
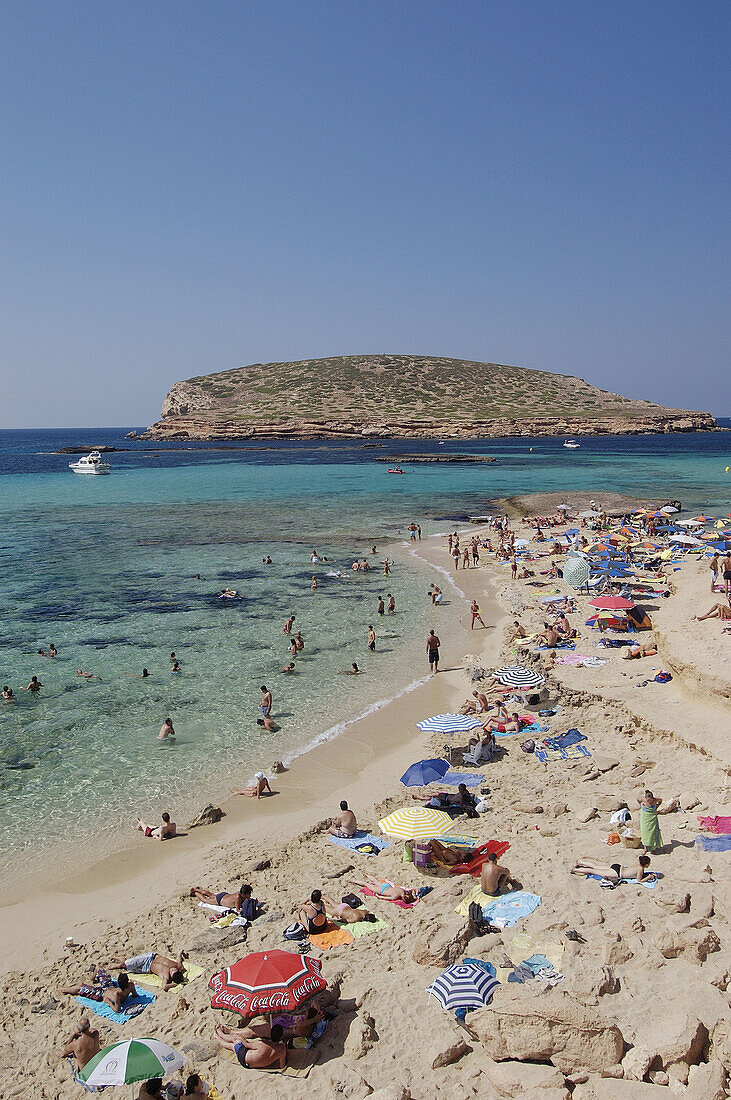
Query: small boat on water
{"x": 571, "y": 444}
{"x": 90, "y": 464}
{"x": 396, "y": 470}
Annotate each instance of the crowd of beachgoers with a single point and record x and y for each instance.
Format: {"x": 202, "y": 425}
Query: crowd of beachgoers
{"x": 524, "y": 894}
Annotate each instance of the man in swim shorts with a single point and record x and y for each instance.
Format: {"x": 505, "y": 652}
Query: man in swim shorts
{"x": 371, "y": 639}
{"x": 166, "y": 831}
{"x": 105, "y": 989}
{"x": 169, "y": 971}
{"x": 432, "y": 651}
{"x": 344, "y": 825}
{"x": 493, "y": 877}
{"x": 266, "y": 701}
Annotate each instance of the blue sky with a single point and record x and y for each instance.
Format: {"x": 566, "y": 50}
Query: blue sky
{"x": 188, "y": 187}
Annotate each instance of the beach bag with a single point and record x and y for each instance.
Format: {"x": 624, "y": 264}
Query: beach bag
{"x": 528, "y": 746}
{"x": 663, "y": 678}
{"x": 366, "y": 848}
{"x": 482, "y": 806}
{"x": 250, "y": 909}
{"x": 353, "y": 901}
{"x": 294, "y": 931}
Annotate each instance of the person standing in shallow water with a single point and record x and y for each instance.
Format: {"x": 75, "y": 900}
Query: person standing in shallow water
{"x": 371, "y": 639}
{"x": 381, "y": 606}
{"x": 432, "y": 651}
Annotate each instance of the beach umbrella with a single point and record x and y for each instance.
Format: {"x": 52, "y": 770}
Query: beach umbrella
{"x": 424, "y": 772}
{"x": 685, "y": 540}
{"x": 449, "y": 723}
{"x": 516, "y": 676}
{"x": 416, "y": 823}
{"x": 267, "y": 981}
{"x": 589, "y": 514}
{"x": 611, "y": 603}
{"x": 576, "y": 572}
{"x": 131, "y": 1060}
{"x": 469, "y": 984}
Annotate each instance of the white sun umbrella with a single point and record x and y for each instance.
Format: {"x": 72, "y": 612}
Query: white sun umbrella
{"x": 449, "y": 723}
{"x": 516, "y": 676}
{"x": 685, "y": 540}
{"x": 589, "y": 514}
{"x": 131, "y": 1060}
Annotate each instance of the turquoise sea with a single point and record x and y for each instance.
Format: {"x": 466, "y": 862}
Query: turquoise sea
{"x": 105, "y": 569}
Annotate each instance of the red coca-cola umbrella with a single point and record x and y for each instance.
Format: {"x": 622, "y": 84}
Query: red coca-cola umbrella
{"x": 267, "y": 981}
{"x": 611, "y": 603}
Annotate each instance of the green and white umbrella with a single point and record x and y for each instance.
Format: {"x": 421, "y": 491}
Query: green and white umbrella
{"x": 131, "y": 1060}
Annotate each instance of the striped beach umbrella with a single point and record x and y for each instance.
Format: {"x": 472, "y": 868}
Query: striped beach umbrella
{"x": 416, "y": 823}
{"x": 468, "y": 984}
{"x": 576, "y": 572}
{"x": 518, "y": 677}
{"x": 131, "y": 1060}
{"x": 449, "y": 723}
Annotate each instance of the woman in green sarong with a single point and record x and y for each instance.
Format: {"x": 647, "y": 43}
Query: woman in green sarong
{"x": 649, "y": 825}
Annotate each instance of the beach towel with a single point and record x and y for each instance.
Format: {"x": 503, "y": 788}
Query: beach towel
{"x": 507, "y": 910}
{"x": 572, "y": 752}
{"x": 564, "y": 740}
{"x": 77, "y": 1079}
{"x": 300, "y": 1061}
{"x": 473, "y": 865}
{"x": 470, "y": 779}
{"x": 475, "y": 894}
{"x": 526, "y": 947}
{"x": 360, "y": 838}
{"x": 533, "y": 727}
{"x": 459, "y": 841}
{"x": 394, "y": 901}
{"x": 138, "y": 1003}
{"x": 333, "y": 936}
{"x": 558, "y": 645}
{"x": 721, "y": 825}
{"x": 572, "y": 659}
{"x": 714, "y": 843}
{"x": 191, "y": 971}
{"x": 649, "y": 883}
{"x": 363, "y": 927}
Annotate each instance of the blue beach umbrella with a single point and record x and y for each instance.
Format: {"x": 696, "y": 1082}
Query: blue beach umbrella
{"x": 424, "y": 772}
{"x": 468, "y": 984}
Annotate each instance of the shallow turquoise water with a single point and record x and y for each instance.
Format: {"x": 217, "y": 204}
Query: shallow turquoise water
{"x": 105, "y": 568}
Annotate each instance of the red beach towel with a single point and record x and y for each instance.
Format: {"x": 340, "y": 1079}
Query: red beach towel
{"x": 720, "y": 825}
{"x": 499, "y": 847}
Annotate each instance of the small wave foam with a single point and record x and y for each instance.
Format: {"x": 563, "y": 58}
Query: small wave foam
{"x": 340, "y": 727}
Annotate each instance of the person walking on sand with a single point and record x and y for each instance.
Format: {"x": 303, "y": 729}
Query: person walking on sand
{"x": 713, "y": 565}
{"x": 371, "y": 639}
{"x": 266, "y": 701}
{"x": 432, "y": 651}
{"x": 726, "y": 572}
{"x": 513, "y": 567}
{"x": 476, "y": 616}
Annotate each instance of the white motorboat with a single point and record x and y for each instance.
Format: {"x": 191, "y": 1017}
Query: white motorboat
{"x": 90, "y": 464}
{"x": 571, "y": 444}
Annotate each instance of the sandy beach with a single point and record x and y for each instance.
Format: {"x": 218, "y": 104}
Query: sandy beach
{"x": 642, "y": 1007}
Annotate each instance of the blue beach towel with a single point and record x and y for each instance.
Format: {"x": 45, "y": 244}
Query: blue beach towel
{"x": 470, "y": 779}
{"x": 564, "y": 740}
{"x": 713, "y": 843}
{"x": 510, "y": 908}
{"x": 354, "y": 842}
{"x": 143, "y": 999}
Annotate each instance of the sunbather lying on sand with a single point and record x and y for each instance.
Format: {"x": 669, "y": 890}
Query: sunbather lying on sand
{"x": 450, "y": 857}
{"x": 493, "y": 877}
{"x": 256, "y": 1053}
{"x": 613, "y": 871}
{"x": 445, "y": 800}
{"x": 511, "y": 724}
{"x": 340, "y": 910}
{"x": 718, "y": 611}
{"x": 242, "y": 901}
{"x": 83, "y": 1044}
{"x": 388, "y": 890}
{"x": 104, "y": 989}
{"x": 635, "y": 650}
{"x": 291, "y": 1023}
{"x": 169, "y": 971}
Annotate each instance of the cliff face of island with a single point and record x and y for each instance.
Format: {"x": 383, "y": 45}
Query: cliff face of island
{"x": 403, "y": 397}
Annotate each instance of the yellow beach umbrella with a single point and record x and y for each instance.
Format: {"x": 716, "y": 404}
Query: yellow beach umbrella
{"x": 416, "y": 823}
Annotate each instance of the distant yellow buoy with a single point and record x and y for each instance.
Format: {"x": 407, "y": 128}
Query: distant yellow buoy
{"x": 727, "y": 468}
{"x": 530, "y": 449}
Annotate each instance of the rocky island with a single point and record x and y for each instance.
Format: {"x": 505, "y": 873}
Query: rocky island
{"x": 403, "y": 397}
